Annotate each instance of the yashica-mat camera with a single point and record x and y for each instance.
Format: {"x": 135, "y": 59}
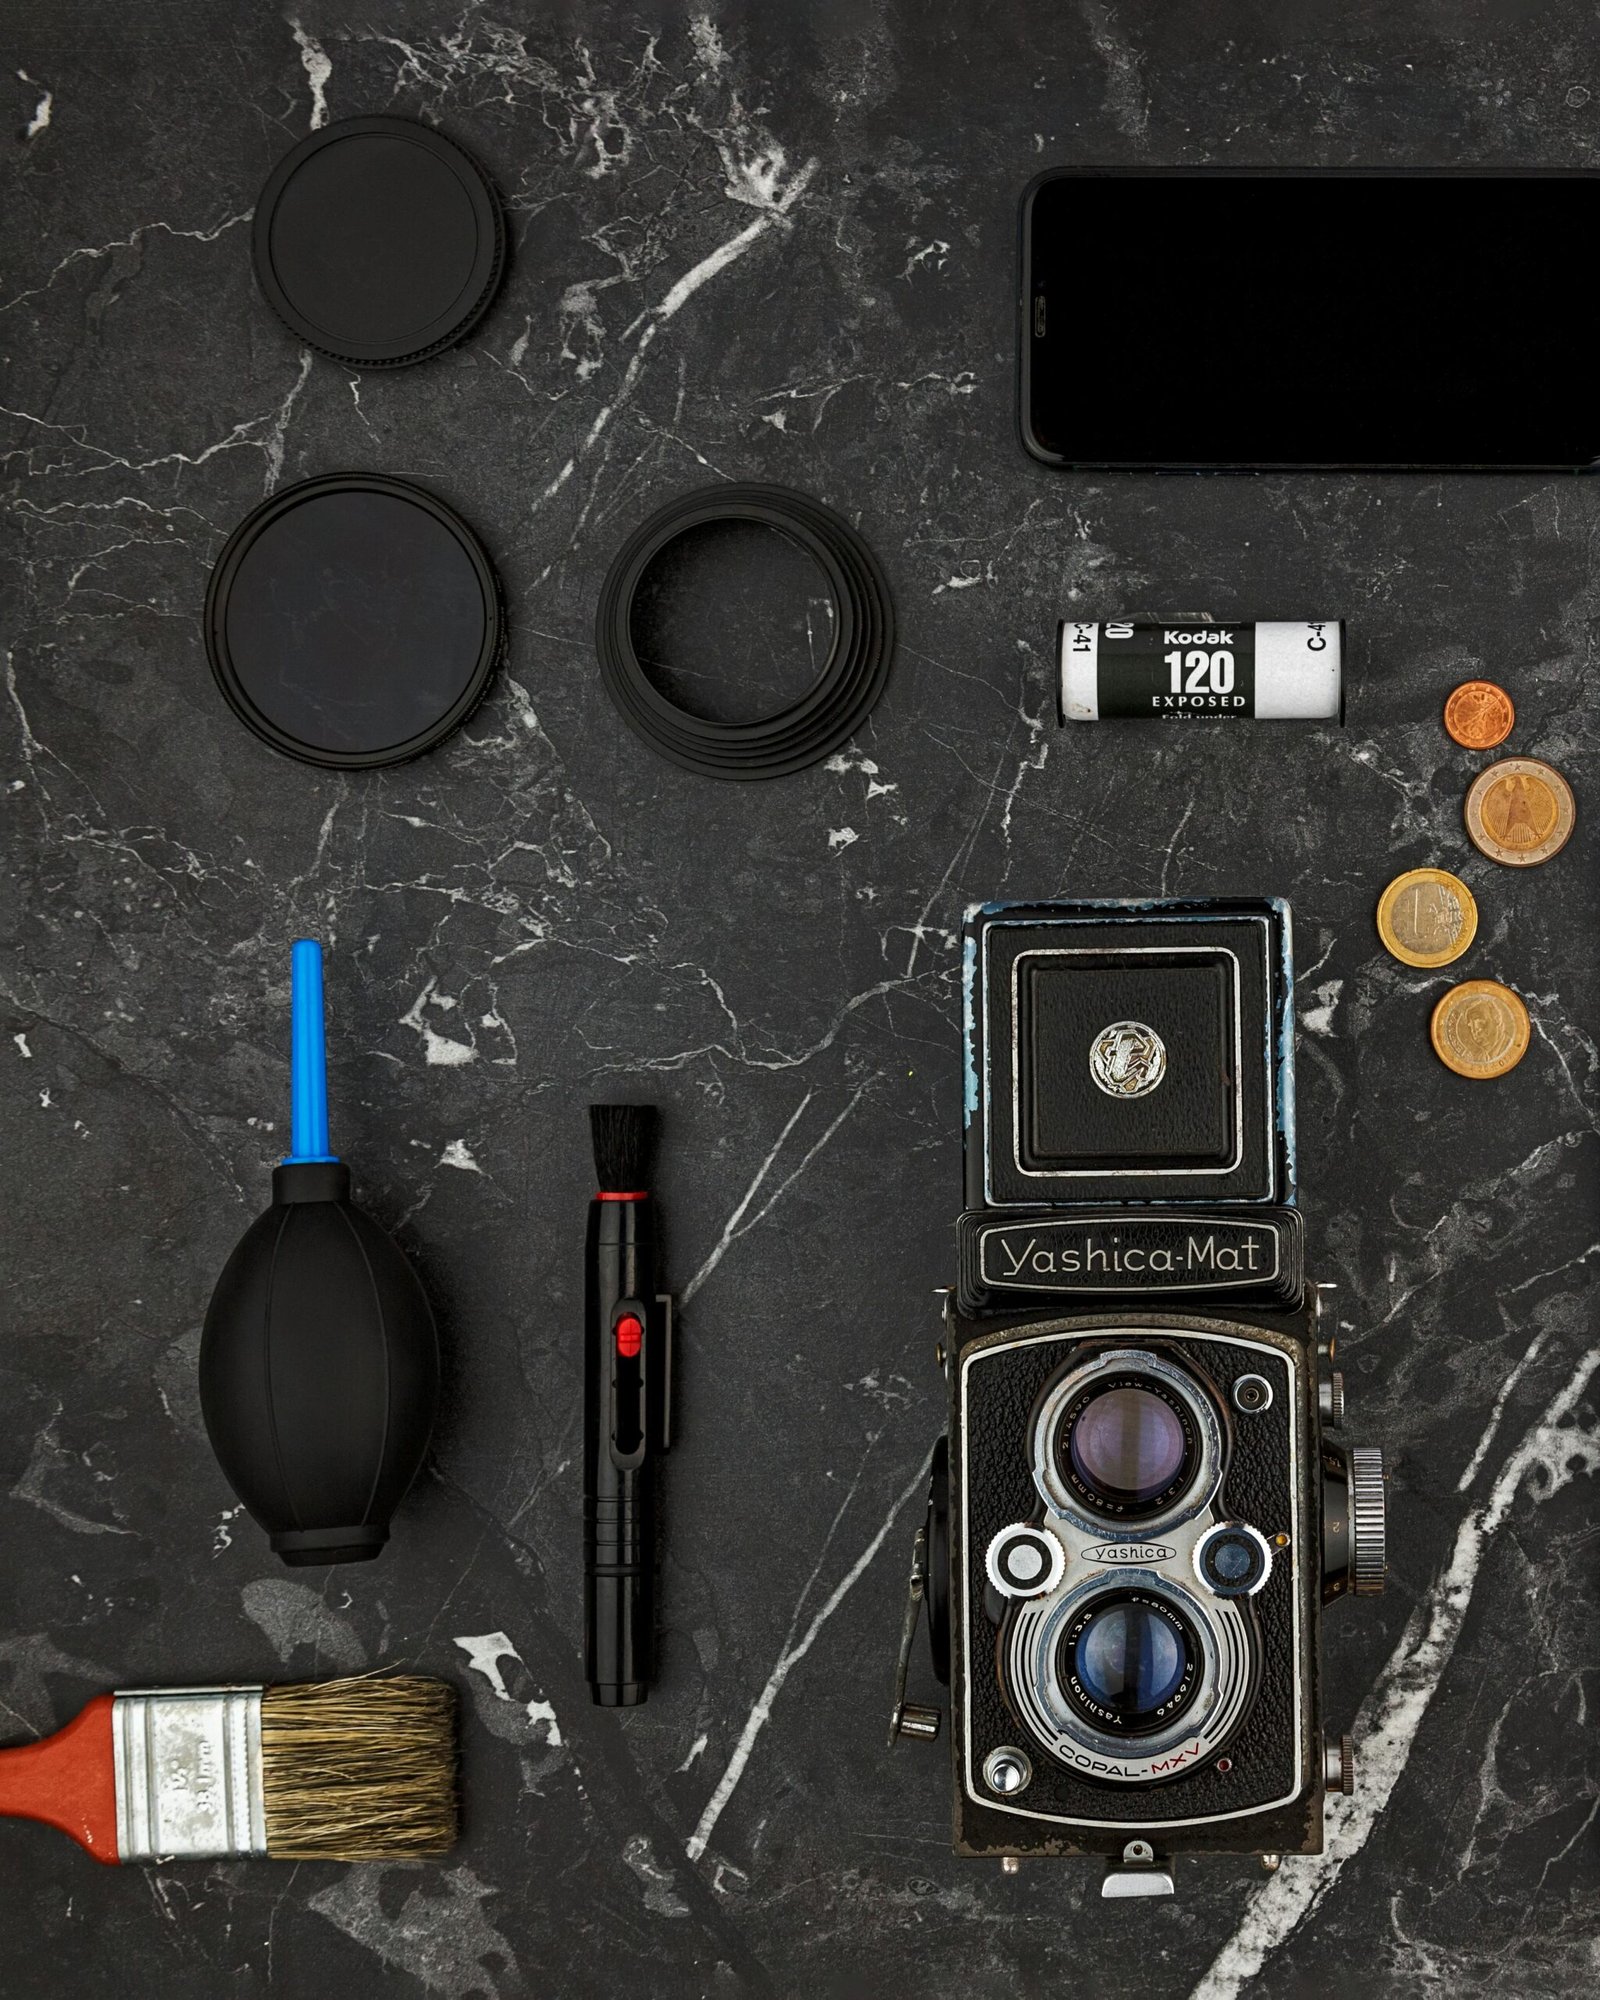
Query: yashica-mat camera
{"x": 1143, "y": 1502}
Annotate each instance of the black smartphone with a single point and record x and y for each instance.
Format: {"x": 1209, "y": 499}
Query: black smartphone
{"x": 1244, "y": 319}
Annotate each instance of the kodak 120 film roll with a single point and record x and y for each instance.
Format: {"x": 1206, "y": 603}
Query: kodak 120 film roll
{"x": 1185, "y": 671}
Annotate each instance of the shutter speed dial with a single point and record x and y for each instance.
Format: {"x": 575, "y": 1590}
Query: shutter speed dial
{"x": 1025, "y": 1562}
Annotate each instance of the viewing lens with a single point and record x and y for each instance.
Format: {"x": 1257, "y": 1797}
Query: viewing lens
{"x": 1128, "y": 1446}
{"x": 1132, "y": 1661}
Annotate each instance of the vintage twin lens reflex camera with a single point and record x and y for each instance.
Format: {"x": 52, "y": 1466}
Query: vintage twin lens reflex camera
{"x": 1143, "y": 1502}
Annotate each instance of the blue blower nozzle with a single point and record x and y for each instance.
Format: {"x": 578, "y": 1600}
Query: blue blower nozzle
{"x": 308, "y": 1062}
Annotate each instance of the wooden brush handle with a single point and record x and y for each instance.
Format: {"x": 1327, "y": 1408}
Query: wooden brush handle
{"x": 69, "y": 1780}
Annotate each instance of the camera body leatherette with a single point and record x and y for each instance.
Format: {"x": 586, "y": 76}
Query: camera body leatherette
{"x": 1265, "y": 1789}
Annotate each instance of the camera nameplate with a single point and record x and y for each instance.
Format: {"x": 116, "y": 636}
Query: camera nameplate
{"x": 1165, "y": 1253}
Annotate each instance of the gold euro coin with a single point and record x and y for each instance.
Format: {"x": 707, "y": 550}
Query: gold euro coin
{"x": 1520, "y": 811}
{"x": 1426, "y": 917}
{"x": 1480, "y": 1029}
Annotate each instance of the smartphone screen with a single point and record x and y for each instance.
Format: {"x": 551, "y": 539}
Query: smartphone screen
{"x": 1181, "y": 318}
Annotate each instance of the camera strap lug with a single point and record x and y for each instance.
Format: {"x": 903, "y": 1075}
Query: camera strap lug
{"x": 912, "y": 1718}
{"x": 1140, "y": 1872}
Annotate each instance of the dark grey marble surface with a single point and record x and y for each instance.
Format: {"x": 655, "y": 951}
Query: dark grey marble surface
{"x": 773, "y": 244}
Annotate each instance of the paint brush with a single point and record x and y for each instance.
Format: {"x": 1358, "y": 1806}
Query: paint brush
{"x": 346, "y": 1770}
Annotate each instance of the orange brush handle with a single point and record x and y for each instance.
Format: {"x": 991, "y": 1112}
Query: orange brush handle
{"x": 69, "y": 1780}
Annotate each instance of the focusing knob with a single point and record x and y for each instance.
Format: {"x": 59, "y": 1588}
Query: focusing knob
{"x": 1025, "y": 1562}
{"x": 1369, "y": 1553}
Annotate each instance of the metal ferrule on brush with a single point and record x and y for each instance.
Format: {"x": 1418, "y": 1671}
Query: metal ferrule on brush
{"x": 188, "y": 1773}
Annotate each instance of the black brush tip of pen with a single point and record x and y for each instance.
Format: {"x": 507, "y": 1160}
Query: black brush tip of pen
{"x": 624, "y": 1140}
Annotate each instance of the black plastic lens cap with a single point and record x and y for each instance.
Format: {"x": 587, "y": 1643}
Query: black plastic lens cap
{"x": 353, "y": 621}
{"x": 378, "y": 241}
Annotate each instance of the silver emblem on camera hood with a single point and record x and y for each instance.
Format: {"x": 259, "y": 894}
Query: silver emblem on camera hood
{"x": 1127, "y": 1059}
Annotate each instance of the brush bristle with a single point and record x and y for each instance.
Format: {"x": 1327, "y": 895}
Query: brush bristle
{"x": 624, "y": 1137}
{"x": 360, "y": 1770}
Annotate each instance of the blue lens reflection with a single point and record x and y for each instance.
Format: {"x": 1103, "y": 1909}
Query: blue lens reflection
{"x": 1130, "y": 1660}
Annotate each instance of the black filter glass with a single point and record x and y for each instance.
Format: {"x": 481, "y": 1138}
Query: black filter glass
{"x": 1129, "y": 1445}
{"x": 378, "y": 241}
{"x": 1253, "y": 318}
{"x": 1132, "y": 1663}
{"x": 353, "y": 621}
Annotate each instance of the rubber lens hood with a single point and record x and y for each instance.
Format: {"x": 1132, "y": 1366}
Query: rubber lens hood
{"x": 838, "y": 701}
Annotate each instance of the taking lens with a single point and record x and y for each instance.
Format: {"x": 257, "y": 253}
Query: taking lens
{"x": 1128, "y": 1445}
{"x": 1132, "y": 1663}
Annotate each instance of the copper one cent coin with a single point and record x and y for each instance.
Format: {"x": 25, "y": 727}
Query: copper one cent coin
{"x": 1479, "y": 715}
{"x": 1480, "y": 1029}
{"x": 1426, "y": 917}
{"x": 1520, "y": 811}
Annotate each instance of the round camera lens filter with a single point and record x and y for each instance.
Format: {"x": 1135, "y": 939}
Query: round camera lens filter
{"x": 353, "y": 621}
{"x": 378, "y": 241}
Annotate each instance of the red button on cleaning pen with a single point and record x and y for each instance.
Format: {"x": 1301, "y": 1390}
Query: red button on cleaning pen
{"x": 630, "y": 1336}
